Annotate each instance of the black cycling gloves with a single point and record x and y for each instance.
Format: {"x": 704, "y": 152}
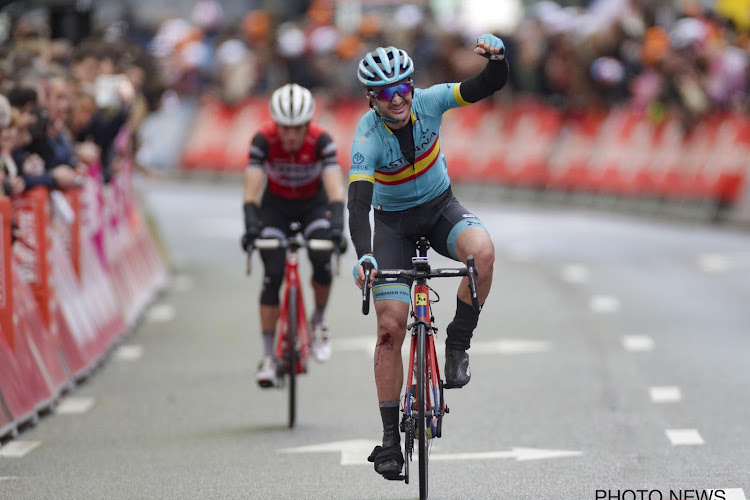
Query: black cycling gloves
{"x": 252, "y": 225}
{"x": 336, "y": 209}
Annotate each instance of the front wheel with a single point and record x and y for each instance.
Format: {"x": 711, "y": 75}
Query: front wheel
{"x": 291, "y": 353}
{"x": 422, "y": 414}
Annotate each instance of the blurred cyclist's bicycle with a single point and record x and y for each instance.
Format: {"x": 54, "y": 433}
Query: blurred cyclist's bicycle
{"x": 293, "y": 337}
{"x": 423, "y": 406}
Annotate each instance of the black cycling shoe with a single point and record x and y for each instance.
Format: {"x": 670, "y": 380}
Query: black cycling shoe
{"x": 388, "y": 462}
{"x": 457, "y": 371}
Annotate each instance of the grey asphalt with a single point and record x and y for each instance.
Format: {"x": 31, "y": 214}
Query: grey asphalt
{"x": 549, "y": 363}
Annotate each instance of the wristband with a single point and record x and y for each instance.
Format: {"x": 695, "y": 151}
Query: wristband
{"x": 371, "y": 258}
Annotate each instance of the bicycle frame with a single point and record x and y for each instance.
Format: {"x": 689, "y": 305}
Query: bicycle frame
{"x": 291, "y": 285}
{"x": 423, "y": 315}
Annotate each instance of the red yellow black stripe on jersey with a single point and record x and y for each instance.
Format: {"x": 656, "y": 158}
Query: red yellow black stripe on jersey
{"x": 424, "y": 162}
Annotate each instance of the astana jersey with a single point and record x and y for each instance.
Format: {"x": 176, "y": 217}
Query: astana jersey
{"x": 376, "y": 155}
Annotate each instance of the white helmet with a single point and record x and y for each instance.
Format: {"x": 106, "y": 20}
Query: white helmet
{"x": 292, "y": 105}
{"x": 384, "y": 66}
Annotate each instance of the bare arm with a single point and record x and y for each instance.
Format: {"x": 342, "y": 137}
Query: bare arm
{"x": 254, "y": 180}
{"x": 333, "y": 183}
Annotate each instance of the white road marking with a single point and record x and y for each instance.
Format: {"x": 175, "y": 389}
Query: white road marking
{"x": 183, "y": 283}
{"x": 9, "y": 478}
{"x": 684, "y": 437}
{"x": 713, "y": 263}
{"x": 733, "y": 494}
{"x": 129, "y": 352}
{"x": 575, "y": 273}
{"x": 75, "y": 405}
{"x": 722, "y": 262}
{"x": 18, "y": 449}
{"x": 506, "y": 346}
{"x": 160, "y": 313}
{"x": 520, "y": 454}
{"x": 502, "y": 346}
{"x": 604, "y": 304}
{"x": 355, "y": 452}
{"x": 638, "y": 343}
{"x": 665, "y": 394}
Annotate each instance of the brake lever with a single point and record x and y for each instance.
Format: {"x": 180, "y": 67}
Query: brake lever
{"x": 367, "y": 266}
{"x": 249, "y": 264}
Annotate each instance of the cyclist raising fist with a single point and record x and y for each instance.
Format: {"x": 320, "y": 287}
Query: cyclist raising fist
{"x": 398, "y": 168}
{"x": 297, "y": 161}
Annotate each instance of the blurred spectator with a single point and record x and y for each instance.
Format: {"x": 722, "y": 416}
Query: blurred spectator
{"x": 689, "y": 56}
{"x": 11, "y": 182}
{"x": 35, "y": 151}
{"x": 649, "y": 55}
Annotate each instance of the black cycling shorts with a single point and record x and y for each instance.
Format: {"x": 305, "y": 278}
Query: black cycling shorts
{"x": 396, "y": 233}
{"x": 276, "y": 213}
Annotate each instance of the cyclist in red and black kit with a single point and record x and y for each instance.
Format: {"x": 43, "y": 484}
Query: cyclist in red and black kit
{"x": 296, "y": 159}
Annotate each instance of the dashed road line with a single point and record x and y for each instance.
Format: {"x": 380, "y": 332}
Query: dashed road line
{"x": 722, "y": 262}
{"x": 75, "y": 405}
{"x": 18, "y": 449}
{"x": 501, "y": 346}
{"x": 604, "y": 304}
{"x": 131, "y": 352}
{"x": 575, "y": 273}
{"x": 684, "y": 437}
{"x": 638, "y": 343}
{"x": 160, "y": 313}
{"x": 665, "y": 394}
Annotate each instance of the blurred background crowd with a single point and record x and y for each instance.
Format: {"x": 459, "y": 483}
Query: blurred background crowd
{"x": 75, "y": 72}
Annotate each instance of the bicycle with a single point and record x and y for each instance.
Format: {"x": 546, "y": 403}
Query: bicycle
{"x": 293, "y": 336}
{"x": 423, "y": 405}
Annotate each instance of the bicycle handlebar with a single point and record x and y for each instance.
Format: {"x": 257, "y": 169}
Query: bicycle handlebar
{"x": 275, "y": 243}
{"x": 423, "y": 273}
{"x": 415, "y": 274}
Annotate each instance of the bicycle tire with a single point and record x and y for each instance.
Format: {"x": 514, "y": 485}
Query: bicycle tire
{"x": 422, "y": 381}
{"x": 291, "y": 353}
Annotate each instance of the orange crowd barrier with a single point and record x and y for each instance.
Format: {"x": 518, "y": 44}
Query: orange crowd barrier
{"x": 81, "y": 270}
{"x": 618, "y": 152}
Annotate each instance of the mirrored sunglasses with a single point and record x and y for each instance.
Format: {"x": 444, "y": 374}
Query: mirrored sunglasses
{"x": 387, "y": 93}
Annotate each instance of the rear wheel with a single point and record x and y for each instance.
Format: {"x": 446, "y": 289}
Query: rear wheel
{"x": 291, "y": 354}
{"x": 422, "y": 411}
